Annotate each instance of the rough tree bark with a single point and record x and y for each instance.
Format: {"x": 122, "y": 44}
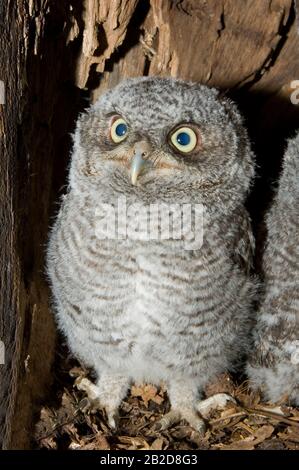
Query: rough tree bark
{"x": 55, "y": 54}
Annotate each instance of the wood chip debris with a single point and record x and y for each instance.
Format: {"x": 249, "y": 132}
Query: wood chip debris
{"x": 247, "y": 424}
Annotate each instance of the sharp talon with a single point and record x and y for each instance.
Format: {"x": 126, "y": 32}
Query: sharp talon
{"x": 157, "y": 427}
{"x": 103, "y": 397}
{"x": 87, "y": 405}
{"x": 84, "y": 405}
{"x": 113, "y": 420}
{"x": 201, "y": 427}
{"x": 88, "y": 387}
{"x": 171, "y": 418}
{"x": 195, "y": 421}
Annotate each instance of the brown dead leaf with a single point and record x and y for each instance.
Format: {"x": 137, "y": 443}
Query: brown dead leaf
{"x": 249, "y": 442}
{"x": 67, "y": 410}
{"x": 157, "y": 444}
{"x": 49, "y": 443}
{"x": 263, "y": 433}
{"x": 46, "y": 424}
{"x": 289, "y": 435}
{"x": 292, "y": 445}
{"x": 238, "y": 445}
{"x": 134, "y": 442}
{"x": 147, "y": 392}
{"x": 272, "y": 444}
{"x": 98, "y": 443}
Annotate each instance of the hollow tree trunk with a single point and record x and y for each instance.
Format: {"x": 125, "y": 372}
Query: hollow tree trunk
{"x": 55, "y": 54}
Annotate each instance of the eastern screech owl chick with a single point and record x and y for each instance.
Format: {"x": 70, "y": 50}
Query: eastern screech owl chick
{"x": 274, "y": 364}
{"x": 153, "y": 310}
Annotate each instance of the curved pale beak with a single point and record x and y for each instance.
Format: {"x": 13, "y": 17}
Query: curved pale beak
{"x": 138, "y": 164}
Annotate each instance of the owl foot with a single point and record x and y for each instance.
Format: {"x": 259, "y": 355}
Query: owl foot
{"x": 174, "y": 416}
{"x": 106, "y": 395}
{"x": 92, "y": 403}
{"x": 89, "y": 388}
{"x": 215, "y": 402}
{"x": 183, "y": 396}
{"x": 184, "y": 405}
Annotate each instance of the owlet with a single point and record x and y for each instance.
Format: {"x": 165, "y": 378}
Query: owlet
{"x": 149, "y": 258}
{"x": 274, "y": 363}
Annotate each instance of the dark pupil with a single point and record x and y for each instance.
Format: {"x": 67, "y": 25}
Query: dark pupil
{"x": 183, "y": 138}
{"x": 121, "y": 129}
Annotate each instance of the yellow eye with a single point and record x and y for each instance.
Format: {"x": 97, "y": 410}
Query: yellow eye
{"x": 119, "y": 130}
{"x": 184, "y": 139}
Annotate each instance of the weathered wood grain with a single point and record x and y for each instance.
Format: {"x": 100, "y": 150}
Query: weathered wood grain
{"x": 10, "y": 272}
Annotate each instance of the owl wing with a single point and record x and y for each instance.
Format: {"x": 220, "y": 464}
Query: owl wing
{"x": 244, "y": 243}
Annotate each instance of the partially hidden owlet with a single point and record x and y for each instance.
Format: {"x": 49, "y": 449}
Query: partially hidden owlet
{"x": 156, "y": 308}
{"x": 274, "y": 364}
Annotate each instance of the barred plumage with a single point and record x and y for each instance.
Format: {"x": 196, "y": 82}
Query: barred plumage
{"x": 153, "y": 310}
{"x": 274, "y": 364}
